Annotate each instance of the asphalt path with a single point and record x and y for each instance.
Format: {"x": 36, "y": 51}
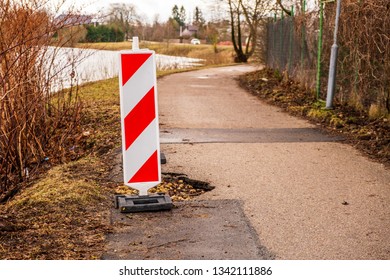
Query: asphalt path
{"x": 305, "y": 194}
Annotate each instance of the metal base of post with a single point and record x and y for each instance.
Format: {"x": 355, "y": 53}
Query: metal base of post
{"x": 163, "y": 159}
{"x": 143, "y": 203}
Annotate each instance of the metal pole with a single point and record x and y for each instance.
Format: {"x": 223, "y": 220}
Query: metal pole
{"x": 319, "y": 54}
{"x": 333, "y": 61}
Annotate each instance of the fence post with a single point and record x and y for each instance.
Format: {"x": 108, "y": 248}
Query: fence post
{"x": 291, "y": 41}
{"x": 319, "y": 54}
{"x": 281, "y": 43}
{"x": 274, "y": 41}
{"x": 303, "y": 36}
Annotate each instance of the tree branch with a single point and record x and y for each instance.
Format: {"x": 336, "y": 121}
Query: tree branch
{"x": 279, "y": 2}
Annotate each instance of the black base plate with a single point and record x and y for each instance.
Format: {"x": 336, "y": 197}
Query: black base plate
{"x": 144, "y": 203}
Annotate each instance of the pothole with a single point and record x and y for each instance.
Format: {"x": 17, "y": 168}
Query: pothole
{"x": 177, "y": 185}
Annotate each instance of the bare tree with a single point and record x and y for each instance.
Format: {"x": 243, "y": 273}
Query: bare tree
{"x": 235, "y": 25}
{"x": 216, "y": 10}
{"x": 250, "y": 12}
{"x": 124, "y": 16}
{"x": 286, "y": 5}
{"x": 281, "y": 5}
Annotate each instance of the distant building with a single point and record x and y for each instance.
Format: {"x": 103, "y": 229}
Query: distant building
{"x": 189, "y": 31}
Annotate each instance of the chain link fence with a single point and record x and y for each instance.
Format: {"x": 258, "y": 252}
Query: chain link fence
{"x": 292, "y": 47}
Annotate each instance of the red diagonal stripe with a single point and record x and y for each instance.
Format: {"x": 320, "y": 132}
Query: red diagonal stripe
{"x": 139, "y": 118}
{"x": 131, "y": 63}
{"x": 148, "y": 172}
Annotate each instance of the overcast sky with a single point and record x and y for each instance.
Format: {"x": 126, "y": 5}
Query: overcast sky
{"x": 148, "y": 8}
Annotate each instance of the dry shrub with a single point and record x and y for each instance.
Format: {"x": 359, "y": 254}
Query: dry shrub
{"x": 36, "y": 125}
{"x": 364, "y": 55}
{"x": 69, "y": 37}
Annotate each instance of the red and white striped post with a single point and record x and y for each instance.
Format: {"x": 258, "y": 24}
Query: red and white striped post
{"x": 139, "y": 119}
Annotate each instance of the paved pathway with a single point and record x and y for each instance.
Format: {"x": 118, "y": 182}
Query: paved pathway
{"x": 306, "y": 195}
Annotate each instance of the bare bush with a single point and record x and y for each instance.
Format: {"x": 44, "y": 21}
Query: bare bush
{"x": 36, "y": 125}
{"x": 364, "y": 34}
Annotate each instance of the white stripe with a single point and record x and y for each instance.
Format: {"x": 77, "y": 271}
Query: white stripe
{"x": 140, "y": 151}
{"x": 138, "y": 86}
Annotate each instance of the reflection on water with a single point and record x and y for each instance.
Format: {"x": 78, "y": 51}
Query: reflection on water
{"x": 77, "y": 66}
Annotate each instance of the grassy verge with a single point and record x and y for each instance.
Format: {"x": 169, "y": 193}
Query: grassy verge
{"x": 65, "y": 213}
{"x": 372, "y": 136}
{"x": 62, "y": 216}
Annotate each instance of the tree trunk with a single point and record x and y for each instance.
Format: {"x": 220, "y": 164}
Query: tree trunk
{"x": 240, "y": 55}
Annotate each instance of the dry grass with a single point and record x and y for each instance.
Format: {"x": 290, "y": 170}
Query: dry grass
{"x": 224, "y": 54}
{"x": 62, "y": 216}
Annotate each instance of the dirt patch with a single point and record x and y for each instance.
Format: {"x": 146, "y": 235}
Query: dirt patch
{"x": 370, "y": 136}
